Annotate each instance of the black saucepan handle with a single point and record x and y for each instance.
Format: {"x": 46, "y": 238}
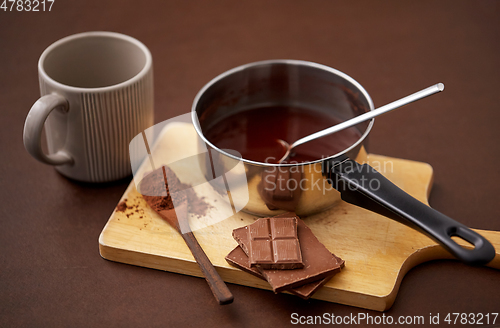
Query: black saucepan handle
{"x": 363, "y": 186}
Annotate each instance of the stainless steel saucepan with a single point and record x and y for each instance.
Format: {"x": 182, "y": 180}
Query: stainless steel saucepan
{"x": 319, "y": 184}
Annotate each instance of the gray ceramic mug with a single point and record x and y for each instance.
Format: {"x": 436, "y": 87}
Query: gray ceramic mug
{"x": 96, "y": 95}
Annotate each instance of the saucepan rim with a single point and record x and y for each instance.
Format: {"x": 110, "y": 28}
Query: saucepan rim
{"x": 207, "y": 86}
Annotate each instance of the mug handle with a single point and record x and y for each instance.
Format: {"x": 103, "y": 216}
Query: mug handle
{"x": 354, "y": 181}
{"x": 32, "y": 135}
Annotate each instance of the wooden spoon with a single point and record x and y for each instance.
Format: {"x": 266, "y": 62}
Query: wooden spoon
{"x": 177, "y": 217}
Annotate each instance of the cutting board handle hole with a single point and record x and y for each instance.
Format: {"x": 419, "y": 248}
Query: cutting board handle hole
{"x": 459, "y": 240}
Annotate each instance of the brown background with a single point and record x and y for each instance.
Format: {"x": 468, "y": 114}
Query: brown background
{"x": 51, "y": 273}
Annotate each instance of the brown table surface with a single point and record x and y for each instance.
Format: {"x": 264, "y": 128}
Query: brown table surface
{"x": 51, "y": 273}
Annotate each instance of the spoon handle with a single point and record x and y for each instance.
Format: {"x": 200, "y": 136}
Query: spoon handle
{"x": 373, "y": 113}
{"x": 217, "y": 285}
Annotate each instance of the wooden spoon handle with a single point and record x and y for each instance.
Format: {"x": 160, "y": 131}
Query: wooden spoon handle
{"x": 217, "y": 285}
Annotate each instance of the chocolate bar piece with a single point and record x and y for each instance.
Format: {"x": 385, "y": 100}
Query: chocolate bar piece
{"x": 239, "y": 259}
{"x": 318, "y": 262}
{"x": 273, "y": 244}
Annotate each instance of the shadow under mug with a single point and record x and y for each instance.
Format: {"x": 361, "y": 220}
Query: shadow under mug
{"x": 96, "y": 95}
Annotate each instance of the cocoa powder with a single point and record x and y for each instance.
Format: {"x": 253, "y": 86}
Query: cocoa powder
{"x": 160, "y": 185}
{"x": 122, "y": 206}
{"x": 157, "y": 191}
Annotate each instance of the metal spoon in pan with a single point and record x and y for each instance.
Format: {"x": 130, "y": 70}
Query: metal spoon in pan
{"x": 361, "y": 118}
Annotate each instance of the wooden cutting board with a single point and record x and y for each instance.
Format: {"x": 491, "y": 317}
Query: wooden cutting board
{"x": 378, "y": 251}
